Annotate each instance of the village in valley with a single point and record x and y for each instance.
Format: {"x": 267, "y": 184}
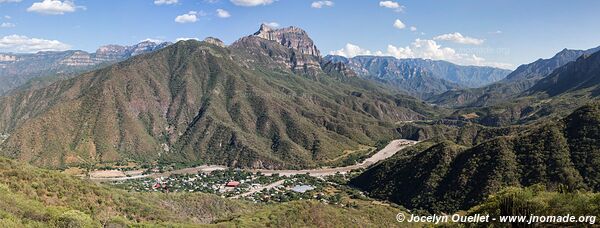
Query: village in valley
{"x": 254, "y": 187}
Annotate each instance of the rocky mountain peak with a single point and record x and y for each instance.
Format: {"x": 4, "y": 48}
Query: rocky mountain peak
{"x": 214, "y": 41}
{"x": 291, "y": 37}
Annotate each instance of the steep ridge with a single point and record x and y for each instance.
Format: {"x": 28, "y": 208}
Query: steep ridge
{"x": 520, "y": 80}
{"x": 582, "y": 74}
{"x": 16, "y": 70}
{"x": 557, "y": 94}
{"x": 420, "y": 77}
{"x": 447, "y": 177}
{"x": 193, "y": 102}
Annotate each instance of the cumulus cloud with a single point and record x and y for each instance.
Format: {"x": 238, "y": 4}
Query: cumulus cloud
{"x": 272, "y": 24}
{"x": 7, "y": 25}
{"x": 459, "y": 38}
{"x": 151, "y": 40}
{"x": 321, "y": 4}
{"x": 223, "y": 13}
{"x": 189, "y": 17}
{"x": 413, "y": 28}
{"x": 18, "y": 43}
{"x": 425, "y": 49}
{"x": 392, "y": 5}
{"x": 165, "y": 2}
{"x": 351, "y": 50}
{"x": 399, "y": 24}
{"x": 496, "y": 32}
{"x": 251, "y": 2}
{"x": 53, "y": 7}
{"x": 186, "y": 38}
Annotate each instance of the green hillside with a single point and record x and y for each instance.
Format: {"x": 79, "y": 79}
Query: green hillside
{"x": 192, "y": 102}
{"x": 449, "y": 177}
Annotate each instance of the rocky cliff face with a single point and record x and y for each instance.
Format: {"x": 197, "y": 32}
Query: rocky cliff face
{"x": 289, "y": 48}
{"x": 79, "y": 58}
{"x": 117, "y": 52}
{"x": 291, "y": 37}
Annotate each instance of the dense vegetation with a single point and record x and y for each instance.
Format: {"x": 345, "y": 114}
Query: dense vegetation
{"x": 33, "y": 197}
{"x": 536, "y": 200}
{"x": 449, "y": 177}
{"x": 191, "y": 102}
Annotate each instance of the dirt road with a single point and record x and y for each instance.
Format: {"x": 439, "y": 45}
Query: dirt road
{"x": 386, "y": 152}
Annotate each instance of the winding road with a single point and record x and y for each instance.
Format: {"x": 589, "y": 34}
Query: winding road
{"x": 392, "y": 148}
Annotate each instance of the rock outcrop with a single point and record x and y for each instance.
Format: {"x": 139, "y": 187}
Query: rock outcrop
{"x": 214, "y": 41}
{"x": 291, "y": 37}
{"x": 289, "y": 48}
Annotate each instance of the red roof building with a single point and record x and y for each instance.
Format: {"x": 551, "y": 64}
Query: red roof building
{"x": 232, "y": 184}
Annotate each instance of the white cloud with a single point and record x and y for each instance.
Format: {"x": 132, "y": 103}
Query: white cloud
{"x": 165, "y": 2}
{"x": 157, "y": 41}
{"x": 496, "y": 32}
{"x": 392, "y": 5}
{"x": 399, "y": 25}
{"x": 413, "y": 28}
{"x": 223, "y": 13}
{"x": 251, "y": 2}
{"x": 425, "y": 49}
{"x": 272, "y": 24}
{"x": 7, "y": 25}
{"x": 7, "y": 1}
{"x": 189, "y": 17}
{"x": 459, "y": 38}
{"x": 53, "y": 7}
{"x": 351, "y": 50}
{"x": 186, "y": 38}
{"x": 18, "y": 43}
{"x": 321, "y": 4}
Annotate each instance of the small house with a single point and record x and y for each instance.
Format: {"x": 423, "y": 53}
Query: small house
{"x": 232, "y": 184}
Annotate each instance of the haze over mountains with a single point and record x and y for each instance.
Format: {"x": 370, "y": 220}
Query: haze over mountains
{"x": 421, "y": 77}
{"x": 521, "y": 79}
{"x": 17, "y": 69}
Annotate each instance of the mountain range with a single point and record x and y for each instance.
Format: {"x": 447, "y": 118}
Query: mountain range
{"x": 458, "y": 168}
{"x": 46, "y": 67}
{"x": 262, "y": 102}
{"x": 271, "y": 100}
{"x": 521, "y": 79}
{"x": 421, "y": 77}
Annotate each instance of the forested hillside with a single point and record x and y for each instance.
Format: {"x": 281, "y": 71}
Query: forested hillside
{"x": 448, "y": 177}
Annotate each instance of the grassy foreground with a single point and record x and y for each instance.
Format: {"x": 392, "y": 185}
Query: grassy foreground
{"x": 33, "y": 197}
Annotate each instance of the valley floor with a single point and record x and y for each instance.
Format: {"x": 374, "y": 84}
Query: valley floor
{"x": 388, "y": 151}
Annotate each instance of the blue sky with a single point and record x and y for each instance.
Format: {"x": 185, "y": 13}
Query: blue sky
{"x": 469, "y": 32}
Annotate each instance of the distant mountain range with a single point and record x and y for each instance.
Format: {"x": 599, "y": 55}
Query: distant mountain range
{"x": 421, "y": 77}
{"x": 520, "y": 80}
{"x": 18, "y": 69}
